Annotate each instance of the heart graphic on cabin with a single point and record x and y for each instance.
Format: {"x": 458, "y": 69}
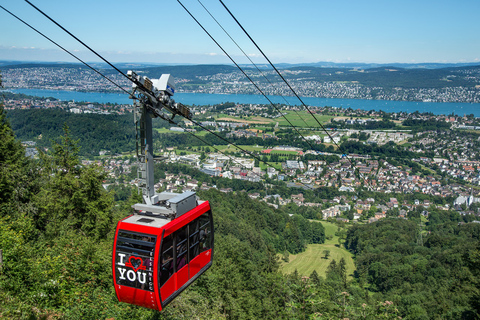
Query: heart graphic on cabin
{"x": 135, "y": 263}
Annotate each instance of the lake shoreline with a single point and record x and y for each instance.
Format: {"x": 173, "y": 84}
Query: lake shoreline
{"x": 199, "y": 99}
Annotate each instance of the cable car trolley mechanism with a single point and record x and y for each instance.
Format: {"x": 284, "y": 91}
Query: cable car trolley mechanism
{"x": 168, "y": 243}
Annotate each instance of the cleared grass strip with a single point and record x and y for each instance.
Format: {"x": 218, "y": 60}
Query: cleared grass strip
{"x": 313, "y": 257}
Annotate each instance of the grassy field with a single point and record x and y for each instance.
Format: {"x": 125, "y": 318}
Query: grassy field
{"x": 313, "y": 257}
{"x": 284, "y": 152}
{"x": 276, "y": 165}
{"x": 302, "y": 119}
{"x": 298, "y": 119}
{"x": 165, "y": 130}
{"x": 250, "y": 120}
{"x": 200, "y": 133}
{"x": 232, "y": 148}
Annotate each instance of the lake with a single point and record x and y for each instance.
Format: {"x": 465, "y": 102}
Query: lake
{"x": 206, "y": 99}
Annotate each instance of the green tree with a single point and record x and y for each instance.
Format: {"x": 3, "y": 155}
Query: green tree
{"x": 363, "y": 136}
{"x": 73, "y": 197}
{"x": 342, "y": 271}
{"x": 12, "y": 159}
{"x": 286, "y": 256}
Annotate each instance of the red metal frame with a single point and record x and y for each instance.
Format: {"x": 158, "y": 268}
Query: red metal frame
{"x": 160, "y": 297}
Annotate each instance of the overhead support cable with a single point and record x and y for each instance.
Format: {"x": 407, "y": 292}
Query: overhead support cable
{"x": 141, "y": 85}
{"x": 273, "y": 66}
{"x": 86, "y": 46}
{"x": 289, "y": 86}
{"x": 73, "y": 36}
{"x": 106, "y": 61}
{"x": 164, "y": 118}
{"x": 251, "y": 61}
{"x": 71, "y": 54}
{"x": 240, "y": 148}
{"x": 244, "y": 73}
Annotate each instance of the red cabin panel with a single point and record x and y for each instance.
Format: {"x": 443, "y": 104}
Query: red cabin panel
{"x": 138, "y": 297}
{"x": 182, "y": 277}
{"x": 199, "y": 262}
{"x": 168, "y": 288}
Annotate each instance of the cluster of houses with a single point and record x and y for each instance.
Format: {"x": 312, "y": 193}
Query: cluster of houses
{"x": 336, "y": 173}
{"x": 467, "y": 170}
{"x": 378, "y": 176}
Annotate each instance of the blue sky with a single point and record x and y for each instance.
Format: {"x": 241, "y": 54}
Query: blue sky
{"x": 371, "y": 31}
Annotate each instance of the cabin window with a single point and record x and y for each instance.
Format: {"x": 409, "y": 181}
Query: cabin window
{"x": 194, "y": 233}
{"x": 205, "y": 232}
{"x": 181, "y": 247}
{"x": 166, "y": 268}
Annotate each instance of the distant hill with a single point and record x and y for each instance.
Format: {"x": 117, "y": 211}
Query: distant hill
{"x": 320, "y": 64}
{"x": 426, "y": 65}
{"x": 187, "y": 72}
{"x": 392, "y": 76}
{"x": 375, "y": 76}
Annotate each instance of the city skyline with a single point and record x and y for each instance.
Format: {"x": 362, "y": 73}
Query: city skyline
{"x": 300, "y": 32}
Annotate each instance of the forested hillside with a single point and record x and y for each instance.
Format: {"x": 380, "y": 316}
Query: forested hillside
{"x": 56, "y": 234}
{"x": 435, "y": 276}
{"x": 114, "y": 133}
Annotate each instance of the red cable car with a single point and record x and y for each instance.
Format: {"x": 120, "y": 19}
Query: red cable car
{"x": 168, "y": 243}
{"x": 156, "y": 255}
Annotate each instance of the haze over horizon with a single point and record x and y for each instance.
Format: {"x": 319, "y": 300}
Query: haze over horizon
{"x": 373, "y": 31}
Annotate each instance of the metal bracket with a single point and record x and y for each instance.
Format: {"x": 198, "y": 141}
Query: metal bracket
{"x": 152, "y": 97}
{"x": 175, "y": 204}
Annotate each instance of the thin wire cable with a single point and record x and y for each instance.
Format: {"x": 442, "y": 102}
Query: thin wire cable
{"x": 244, "y": 151}
{"x": 118, "y": 70}
{"x": 246, "y": 55}
{"x": 136, "y": 82}
{"x": 71, "y": 54}
{"x": 169, "y": 120}
{"x": 244, "y": 73}
{"x": 211, "y": 145}
{"x": 288, "y": 84}
{"x": 73, "y": 36}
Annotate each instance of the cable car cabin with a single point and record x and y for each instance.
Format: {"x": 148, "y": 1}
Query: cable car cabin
{"x": 157, "y": 257}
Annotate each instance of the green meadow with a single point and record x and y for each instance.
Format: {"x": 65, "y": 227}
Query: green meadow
{"x": 303, "y": 119}
{"x": 314, "y": 258}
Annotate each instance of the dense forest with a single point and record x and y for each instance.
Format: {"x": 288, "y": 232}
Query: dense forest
{"x": 56, "y": 233}
{"x": 114, "y": 133}
{"x": 417, "y": 125}
{"x": 431, "y": 276}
